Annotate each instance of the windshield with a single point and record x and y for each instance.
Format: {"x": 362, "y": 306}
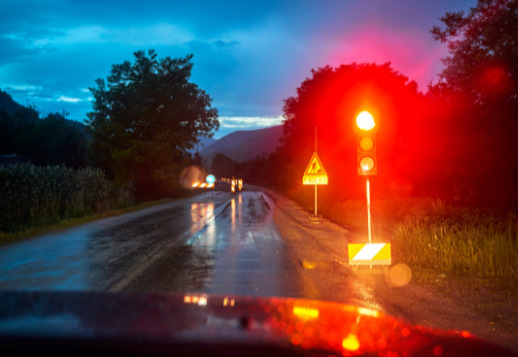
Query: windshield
{"x": 358, "y": 153}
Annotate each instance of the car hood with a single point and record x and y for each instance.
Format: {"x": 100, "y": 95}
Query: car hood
{"x": 194, "y": 324}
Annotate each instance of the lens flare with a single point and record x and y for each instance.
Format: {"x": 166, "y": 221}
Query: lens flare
{"x": 398, "y": 275}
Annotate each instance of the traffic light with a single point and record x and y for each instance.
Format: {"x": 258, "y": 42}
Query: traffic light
{"x": 366, "y": 143}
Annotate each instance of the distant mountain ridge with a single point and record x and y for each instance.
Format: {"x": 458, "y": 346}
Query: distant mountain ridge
{"x": 204, "y": 142}
{"x": 244, "y": 145}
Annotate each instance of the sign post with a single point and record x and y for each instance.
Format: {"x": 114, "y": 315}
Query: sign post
{"x": 315, "y": 174}
{"x": 211, "y": 180}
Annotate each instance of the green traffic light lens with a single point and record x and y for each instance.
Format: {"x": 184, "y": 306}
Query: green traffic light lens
{"x": 367, "y": 163}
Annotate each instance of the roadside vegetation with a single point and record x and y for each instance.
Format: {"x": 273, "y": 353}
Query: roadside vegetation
{"x": 436, "y": 240}
{"x": 146, "y": 117}
{"x": 35, "y": 196}
{"x": 459, "y": 243}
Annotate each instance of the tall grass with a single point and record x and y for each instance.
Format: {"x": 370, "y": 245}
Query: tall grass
{"x": 385, "y": 213}
{"x": 32, "y": 196}
{"x": 463, "y": 244}
{"x": 429, "y": 234}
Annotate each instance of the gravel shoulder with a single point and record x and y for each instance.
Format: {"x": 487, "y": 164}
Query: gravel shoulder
{"x": 443, "y": 302}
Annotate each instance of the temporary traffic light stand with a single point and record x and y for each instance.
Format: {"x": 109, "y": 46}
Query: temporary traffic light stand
{"x": 367, "y": 253}
{"x": 368, "y": 191}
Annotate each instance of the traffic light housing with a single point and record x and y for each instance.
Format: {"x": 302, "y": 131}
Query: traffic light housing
{"x": 367, "y": 162}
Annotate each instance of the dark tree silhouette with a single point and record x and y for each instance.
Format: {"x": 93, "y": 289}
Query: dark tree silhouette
{"x": 145, "y": 117}
{"x": 329, "y": 101}
{"x": 52, "y": 140}
{"x": 478, "y": 90}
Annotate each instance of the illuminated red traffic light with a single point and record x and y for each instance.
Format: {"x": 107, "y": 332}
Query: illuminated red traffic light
{"x": 365, "y": 121}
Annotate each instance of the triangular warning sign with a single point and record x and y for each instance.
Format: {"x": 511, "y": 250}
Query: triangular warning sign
{"x": 315, "y": 167}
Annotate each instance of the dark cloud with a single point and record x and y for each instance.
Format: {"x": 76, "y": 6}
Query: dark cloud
{"x": 225, "y": 44}
{"x": 12, "y": 51}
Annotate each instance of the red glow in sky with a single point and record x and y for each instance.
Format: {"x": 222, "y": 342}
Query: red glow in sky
{"x": 404, "y": 50}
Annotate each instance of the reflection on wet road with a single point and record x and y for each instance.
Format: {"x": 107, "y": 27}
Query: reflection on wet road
{"x": 219, "y": 243}
{"x": 246, "y": 249}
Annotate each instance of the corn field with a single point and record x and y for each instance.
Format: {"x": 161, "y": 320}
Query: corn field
{"x": 32, "y": 196}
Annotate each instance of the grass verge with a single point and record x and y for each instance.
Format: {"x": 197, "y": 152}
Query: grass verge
{"x": 439, "y": 241}
{"x": 32, "y": 231}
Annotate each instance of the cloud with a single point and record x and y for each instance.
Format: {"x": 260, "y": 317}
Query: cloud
{"x": 23, "y": 88}
{"x": 249, "y": 122}
{"x": 159, "y": 34}
{"x": 71, "y": 36}
{"x": 13, "y": 50}
{"x": 69, "y": 99}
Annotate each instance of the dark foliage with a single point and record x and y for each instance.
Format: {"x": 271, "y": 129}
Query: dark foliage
{"x": 223, "y": 166}
{"x": 145, "y": 118}
{"x": 52, "y": 140}
{"x": 478, "y": 93}
{"x": 328, "y": 102}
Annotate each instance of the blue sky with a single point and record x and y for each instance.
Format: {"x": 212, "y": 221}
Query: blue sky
{"x": 249, "y": 56}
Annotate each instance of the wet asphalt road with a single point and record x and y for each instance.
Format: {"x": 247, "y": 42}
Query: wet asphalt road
{"x": 227, "y": 244}
{"x": 212, "y": 243}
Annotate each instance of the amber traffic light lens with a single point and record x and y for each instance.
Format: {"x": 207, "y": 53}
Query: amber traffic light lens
{"x": 366, "y": 143}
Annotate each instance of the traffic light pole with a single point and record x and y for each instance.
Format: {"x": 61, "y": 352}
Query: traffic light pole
{"x": 367, "y": 189}
{"x": 315, "y": 184}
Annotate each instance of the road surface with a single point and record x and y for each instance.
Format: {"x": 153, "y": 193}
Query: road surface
{"x": 250, "y": 243}
{"x": 213, "y": 242}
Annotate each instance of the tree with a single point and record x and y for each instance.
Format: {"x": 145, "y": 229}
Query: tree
{"x": 479, "y": 88}
{"x": 145, "y": 117}
{"x": 54, "y": 141}
{"x": 223, "y": 166}
{"x": 329, "y": 102}
{"x": 483, "y": 50}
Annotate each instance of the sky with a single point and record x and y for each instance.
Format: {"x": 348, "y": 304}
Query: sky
{"x": 249, "y": 56}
